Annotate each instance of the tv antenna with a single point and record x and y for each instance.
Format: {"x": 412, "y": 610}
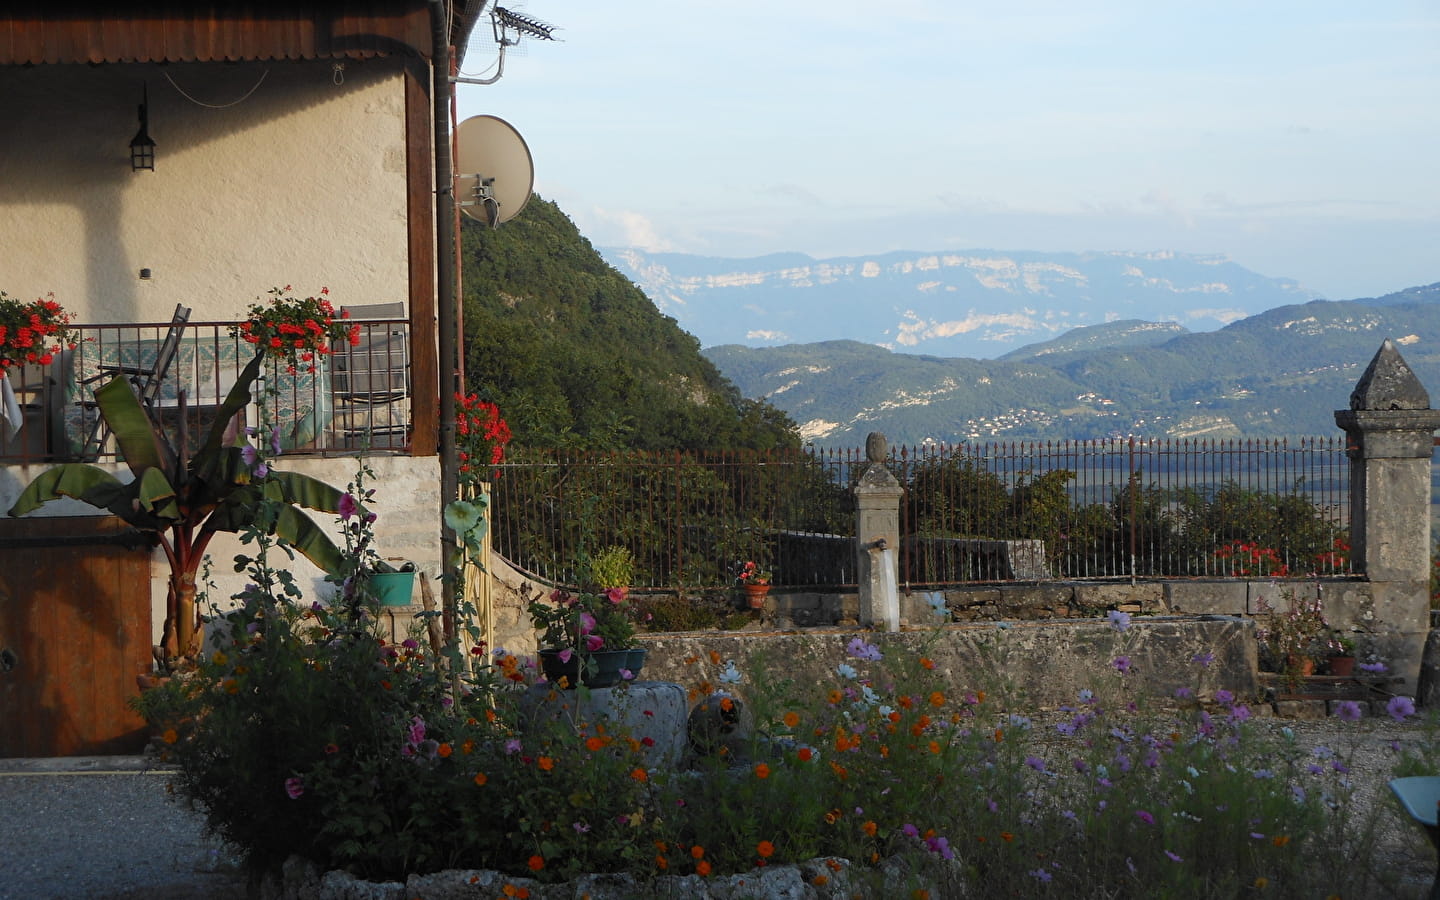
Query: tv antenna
{"x": 494, "y": 170}
{"x": 503, "y": 24}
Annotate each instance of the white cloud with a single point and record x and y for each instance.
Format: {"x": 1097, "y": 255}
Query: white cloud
{"x": 634, "y": 230}
{"x": 766, "y": 336}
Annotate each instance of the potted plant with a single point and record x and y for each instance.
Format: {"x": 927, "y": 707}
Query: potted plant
{"x": 1295, "y": 637}
{"x": 587, "y": 638}
{"x": 296, "y": 332}
{"x": 1340, "y": 649}
{"x": 32, "y": 332}
{"x": 183, "y": 500}
{"x": 755, "y": 582}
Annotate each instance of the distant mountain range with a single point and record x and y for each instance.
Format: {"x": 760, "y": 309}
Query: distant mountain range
{"x": 1277, "y": 373}
{"x": 972, "y": 303}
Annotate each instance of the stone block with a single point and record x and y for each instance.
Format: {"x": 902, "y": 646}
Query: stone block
{"x": 653, "y": 709}
{"x": 1201, "y": 598}
{"x": 1099, "y": 596}
{"x": 1301, "y": 709}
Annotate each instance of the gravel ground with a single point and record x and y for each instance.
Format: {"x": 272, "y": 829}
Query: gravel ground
{"x": 107, "y": 827}
{"x": 104, "y": 827}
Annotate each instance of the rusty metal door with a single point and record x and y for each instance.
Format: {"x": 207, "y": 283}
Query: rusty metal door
{"x": 74, "y": 633}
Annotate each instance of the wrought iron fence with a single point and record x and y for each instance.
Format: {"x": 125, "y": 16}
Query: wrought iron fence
{"x": 971, "y": 512}
{"x": 357, "y": 398}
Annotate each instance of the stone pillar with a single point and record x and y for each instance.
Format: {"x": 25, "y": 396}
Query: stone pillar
{"x": 1390, "y": 427}
{"x": 877, "y": 518}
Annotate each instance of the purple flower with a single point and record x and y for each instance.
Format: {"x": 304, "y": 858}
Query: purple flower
{"x": 626, "y": 675}
{"x": 1183, "y": 693}
{"x": 1121, "y": 664}
{"x": 859, "y": 649}
{"x": 294, "y": 787}
{"x": 594, "y": 642}
{"x": 1240, "y": 712}
{"x": 580, "y": 827}
{"x": 275, "y": 448}
{"x": 1119, "y": 620}
{"x": 909, "y": 830}
{"x": 565, "y": 655}
{"x": 347, "y": 507}
{"x": 1374, "y": 668}
{"x": 1204, "y": 659}
{"x": 1145, "y": 817}
{"x": 1224, "y": 696}
{"x": 1174, "y": 857}
{"x": 1348, "y": 711}
{"x": 1041, "y": 874}
{"x": 262, "y": 470}
{"x": 512, "y": 746}
{"x": 249, "y": 454}
{"x": 1035, "y": 763}
{"x": 1400, "y": 708}
{"x": 409, "y": 644}
{"x": 587, "y": 623}
{"x": 417, "y": 730}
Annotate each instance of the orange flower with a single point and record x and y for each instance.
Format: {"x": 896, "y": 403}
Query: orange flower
{"x": 639, "y": 774}
{"x": 870, "y": 828}
{"x": 835, "y": 698}
{"x": 765, "y": 849}
{"x": 919, "y": 894}
{"x": 481, "y": 778}
{"x": 805, "y": 754}
{"x": 702, "y": 868}
{"x": 727, "y": 704}
{"x": 832, "y": 816}
{"x": 536, "y": 863}
{"x": 935, "y": 747}
{"x": 545, "y": 763}
{"x": 927, "y": 663}
{"x": 937, "y": 699}
{"x": 444, "y": 750}
{"x": 820, "y": 880}
{"x": 661, "y": 862}
{"x": 697, "y": 851}
{"x": 792, "y": 719}
{"x": 762, "y": 771}
{"x": 999, "y": 735}
{"x": 490, "y": 715}
{"x": 1280, "y": 840}
{"x": 715, "y": 657}
{"x": 1006, "y": 836}
{"x": 594, "y": 744}
{"x": 468, "y": 747}
{"x": 170, "y": 736}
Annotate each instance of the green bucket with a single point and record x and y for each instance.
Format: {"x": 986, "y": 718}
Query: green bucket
{"x": 391, "y": 588}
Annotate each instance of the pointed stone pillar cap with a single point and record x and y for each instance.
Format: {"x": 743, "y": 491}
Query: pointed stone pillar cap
{"x": 1389, "y": 384}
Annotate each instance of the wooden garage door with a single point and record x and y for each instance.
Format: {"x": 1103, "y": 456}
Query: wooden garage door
{"x": 74, "y": 632}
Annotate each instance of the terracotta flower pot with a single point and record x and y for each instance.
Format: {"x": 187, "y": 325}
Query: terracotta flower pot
{"x": 1342, "y": 665}
{"x": 755, "y": 595}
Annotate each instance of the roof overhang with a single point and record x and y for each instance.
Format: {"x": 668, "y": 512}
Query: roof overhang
{"x": 35, "y": 32}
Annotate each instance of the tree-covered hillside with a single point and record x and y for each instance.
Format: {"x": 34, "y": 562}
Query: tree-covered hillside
{"x": 576, "y": 355}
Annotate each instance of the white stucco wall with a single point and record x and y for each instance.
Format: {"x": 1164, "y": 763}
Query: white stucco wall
{"x": 302, "y": 183}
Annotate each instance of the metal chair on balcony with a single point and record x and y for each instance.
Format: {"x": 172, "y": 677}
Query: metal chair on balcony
{"x": 373, "y": 377}
{"x": 147, "y": 379}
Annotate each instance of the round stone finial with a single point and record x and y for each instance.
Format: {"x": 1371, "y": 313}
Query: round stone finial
{"x": 876, "y": 447}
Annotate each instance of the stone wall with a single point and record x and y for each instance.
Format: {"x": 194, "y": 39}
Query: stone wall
{"x": 1046, "y": 664}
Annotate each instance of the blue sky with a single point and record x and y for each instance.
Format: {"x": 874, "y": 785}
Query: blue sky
{"x": 1301, "y": 139}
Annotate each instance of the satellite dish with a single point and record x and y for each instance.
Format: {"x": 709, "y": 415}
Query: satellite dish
{"x": 494, "y": 171}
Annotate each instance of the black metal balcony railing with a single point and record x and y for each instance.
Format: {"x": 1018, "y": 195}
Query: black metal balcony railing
{"x": 357, "y": 399}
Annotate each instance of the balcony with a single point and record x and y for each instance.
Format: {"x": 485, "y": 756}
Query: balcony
{"x": 358, "y": 399}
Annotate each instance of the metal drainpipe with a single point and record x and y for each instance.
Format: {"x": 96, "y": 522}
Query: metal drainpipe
{"x": 445, "y": 301}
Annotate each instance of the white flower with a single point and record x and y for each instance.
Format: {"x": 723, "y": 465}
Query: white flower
{"x": 937, "y": 604}
{"x": 731, "y": 675}
{"x": 845, "y": 670}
